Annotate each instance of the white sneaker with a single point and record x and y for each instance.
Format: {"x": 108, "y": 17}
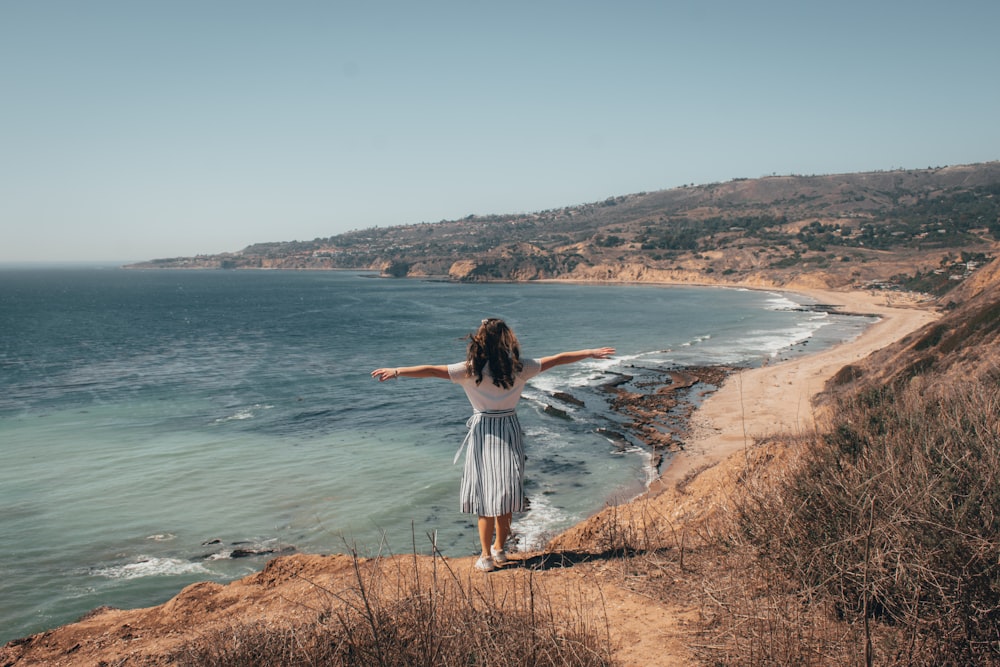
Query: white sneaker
{"x": 485, "y": 564}
{"x": 499, "y": 555}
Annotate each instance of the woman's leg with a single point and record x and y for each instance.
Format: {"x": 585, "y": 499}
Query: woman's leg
{"x": 486, "y": 526}
{"x": 503, "y": 530}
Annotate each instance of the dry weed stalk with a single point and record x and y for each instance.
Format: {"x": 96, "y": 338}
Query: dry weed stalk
{"x": 891, "y": 518}
{"x": 396, "y": 615}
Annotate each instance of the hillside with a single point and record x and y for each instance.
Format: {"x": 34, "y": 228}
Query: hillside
{"x": 665, "y": 576}
{"x": 964, "y": 345}
{"x": 914, "y": 228}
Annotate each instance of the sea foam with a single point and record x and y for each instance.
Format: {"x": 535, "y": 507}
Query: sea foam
{"x": 150, "y": 566}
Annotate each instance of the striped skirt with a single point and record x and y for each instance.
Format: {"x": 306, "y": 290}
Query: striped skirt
{"x": 493, "y": 478}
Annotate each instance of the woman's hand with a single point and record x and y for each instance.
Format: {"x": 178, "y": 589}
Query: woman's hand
{"x": 383, "y": 374}
{"x": 575, "y": 356}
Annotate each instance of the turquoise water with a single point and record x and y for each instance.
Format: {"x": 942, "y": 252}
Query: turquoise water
{"x": 160, "y": 428}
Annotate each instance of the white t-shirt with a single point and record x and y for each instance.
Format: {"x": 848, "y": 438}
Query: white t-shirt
{"x": 486, "y": 396}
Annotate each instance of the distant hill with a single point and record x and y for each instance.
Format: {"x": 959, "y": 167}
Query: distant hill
{"x": 919, "y": 229}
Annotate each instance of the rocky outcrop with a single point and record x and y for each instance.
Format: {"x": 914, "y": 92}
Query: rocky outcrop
{"x": 462, "y": 269}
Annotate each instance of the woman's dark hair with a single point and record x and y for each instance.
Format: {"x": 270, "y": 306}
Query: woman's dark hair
{"x": 494, "y": 344}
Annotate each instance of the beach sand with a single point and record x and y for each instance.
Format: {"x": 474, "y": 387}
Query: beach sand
{"x": 777, "y": 398}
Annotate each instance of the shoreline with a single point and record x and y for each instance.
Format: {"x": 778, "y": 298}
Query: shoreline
{"x": 749, "y": 403}
{"x": 777, "y": 398}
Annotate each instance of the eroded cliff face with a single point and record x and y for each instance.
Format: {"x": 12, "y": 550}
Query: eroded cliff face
{"x": 706, "y": 270}
{"x": 462, "y": 269}
{"x": 504, "y": 269}
{"x": 637, "y": 273}
{"x": 470, "y": 270}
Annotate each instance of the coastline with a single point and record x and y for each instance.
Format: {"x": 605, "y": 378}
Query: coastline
{"x": 777, "y": 398}
{"x": 750, "y": 403}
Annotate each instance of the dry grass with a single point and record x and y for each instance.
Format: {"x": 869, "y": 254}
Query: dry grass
{"x": 395, "y": 618}
{"x": 879, "y": 544}
{"x": 874, "y": 541}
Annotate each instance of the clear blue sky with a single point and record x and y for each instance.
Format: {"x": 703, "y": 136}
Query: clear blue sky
{"x": 137, "y": 129}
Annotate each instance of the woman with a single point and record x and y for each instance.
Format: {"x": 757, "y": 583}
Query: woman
{"x": 493, "y": 376}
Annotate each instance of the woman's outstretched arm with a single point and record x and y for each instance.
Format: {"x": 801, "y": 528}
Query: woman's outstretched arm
{"x": 383, "y": 374}
{"x": 573, "y": 357}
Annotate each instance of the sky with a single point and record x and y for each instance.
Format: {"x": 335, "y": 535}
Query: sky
{"x": 135, "y": 129}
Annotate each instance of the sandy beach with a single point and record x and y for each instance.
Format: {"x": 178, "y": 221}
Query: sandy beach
{"x": 778, "y": 398}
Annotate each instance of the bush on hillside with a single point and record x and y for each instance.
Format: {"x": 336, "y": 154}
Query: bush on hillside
{"x": 894, "y": 515}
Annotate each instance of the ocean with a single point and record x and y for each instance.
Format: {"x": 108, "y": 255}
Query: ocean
{"x": 160, "y": 428}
